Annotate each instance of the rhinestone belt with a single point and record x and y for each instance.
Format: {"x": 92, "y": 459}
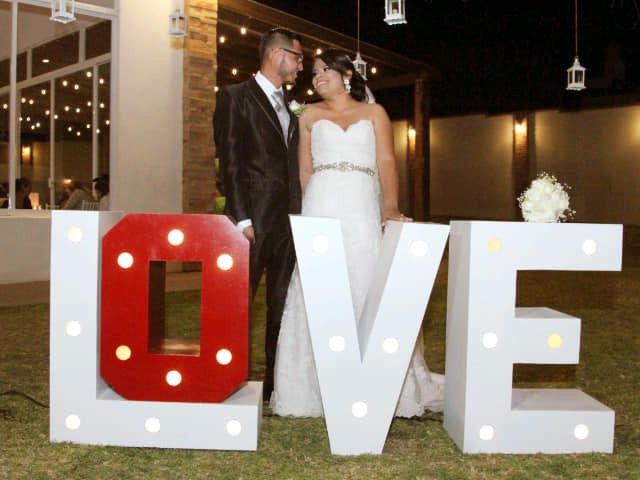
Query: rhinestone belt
{"x": 344, "y": 167}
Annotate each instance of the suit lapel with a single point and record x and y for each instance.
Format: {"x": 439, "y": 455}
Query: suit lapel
{"x": 265, "y": 105}
{"x": 293, "y": 125}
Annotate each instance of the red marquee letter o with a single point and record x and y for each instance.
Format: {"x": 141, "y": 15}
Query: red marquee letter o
{"x": 137, "y": 365}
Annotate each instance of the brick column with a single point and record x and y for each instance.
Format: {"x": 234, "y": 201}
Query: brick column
{"x": 421, "y": 167}
{"x": 200, "y": 67}
{"x": 523, "y": 164}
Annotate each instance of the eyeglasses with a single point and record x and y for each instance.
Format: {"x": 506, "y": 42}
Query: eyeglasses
{"x": 299, "y": 56}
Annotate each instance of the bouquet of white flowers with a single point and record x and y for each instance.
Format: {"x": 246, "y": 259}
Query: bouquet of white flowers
{"x": 546, "y": 200}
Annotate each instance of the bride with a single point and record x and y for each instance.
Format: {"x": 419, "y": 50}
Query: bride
{"x": 345, "y": 155}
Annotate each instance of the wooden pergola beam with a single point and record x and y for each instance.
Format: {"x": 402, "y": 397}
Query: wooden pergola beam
{"x": 323, "y": 35}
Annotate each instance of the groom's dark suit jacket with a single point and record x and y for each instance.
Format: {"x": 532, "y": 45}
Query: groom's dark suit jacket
{"x": 259, "y": 177}
{"x": 259, "y": 171}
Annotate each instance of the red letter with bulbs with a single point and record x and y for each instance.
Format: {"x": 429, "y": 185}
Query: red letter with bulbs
{"x": 136, "y": 360}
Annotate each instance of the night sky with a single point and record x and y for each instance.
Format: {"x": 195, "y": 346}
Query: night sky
{"x": 502, "y": 56}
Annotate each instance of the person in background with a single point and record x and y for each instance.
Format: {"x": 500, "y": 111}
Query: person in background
{"x": 101, "y": 186}
{"x": 4, "y": 195}
{"x": 78, "y": 193}
{"x": 23, "y": 189}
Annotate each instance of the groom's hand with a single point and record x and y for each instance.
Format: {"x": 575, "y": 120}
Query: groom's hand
{"x": 250, "y": 233}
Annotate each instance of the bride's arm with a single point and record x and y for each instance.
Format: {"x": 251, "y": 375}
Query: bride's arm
{"x": 386, "y": 165}
{"x": 305, "y": 164}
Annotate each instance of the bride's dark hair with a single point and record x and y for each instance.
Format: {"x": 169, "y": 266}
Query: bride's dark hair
{"x": 339, "y": 61}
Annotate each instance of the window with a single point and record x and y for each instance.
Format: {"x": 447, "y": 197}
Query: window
{"x": 62, "y": 108}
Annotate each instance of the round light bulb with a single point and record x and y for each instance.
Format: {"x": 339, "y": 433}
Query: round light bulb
{"x": 123, "y": 353}
{"x": 554, "y": 340}
{"x": 225, "y": 261}
{"x": 175, "y": 237}
{"x": 581, "y": 432}
{"x": 73, "y": 328}
{"x": 125, "y": 260}
{"x": 486, "y": 432}
{"x": 223, "y": 356}
{"x": 490, "y": 340}
{"x": 419, "y": 248}
{"x": 152, "y": 425}
{"x": 320, "y": 244}
{"x": 72, "y": 422}
{"x": 234, "y": 428}
{"x": 589, "y": 247}
{"x": 174, "y": 378}
{"x": 337, "y": 343}
{"x": 390, "y": 345}
{"x": 74, "y": 234}
{"x": 494, "y": 245}
{"x": 359, "y": 409}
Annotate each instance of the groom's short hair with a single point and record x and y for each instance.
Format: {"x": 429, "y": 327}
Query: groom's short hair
{"x": 276, "y": 37}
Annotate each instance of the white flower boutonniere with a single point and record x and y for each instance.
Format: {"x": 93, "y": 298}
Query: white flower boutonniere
{"x": 297, "y": 108}
{"x": 546, "y": 200}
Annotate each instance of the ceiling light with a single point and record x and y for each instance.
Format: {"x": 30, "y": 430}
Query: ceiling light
{"x": 63, "y": 11}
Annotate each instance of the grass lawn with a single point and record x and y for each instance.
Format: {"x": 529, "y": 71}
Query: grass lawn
{"x": 607, "y": 302}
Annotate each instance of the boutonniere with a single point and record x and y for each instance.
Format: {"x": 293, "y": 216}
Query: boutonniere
{"x": 297, "y": 108}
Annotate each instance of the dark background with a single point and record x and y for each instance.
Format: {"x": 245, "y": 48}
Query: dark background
{"x": 498, "y": 56}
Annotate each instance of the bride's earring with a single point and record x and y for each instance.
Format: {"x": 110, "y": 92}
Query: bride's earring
{"x": 347, "y": 85}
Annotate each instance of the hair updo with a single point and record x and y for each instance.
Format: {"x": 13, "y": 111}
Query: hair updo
{"x": 339, "y": 61}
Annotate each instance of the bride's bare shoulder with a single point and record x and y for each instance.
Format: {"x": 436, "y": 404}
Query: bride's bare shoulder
{"x": 309, "y": 116}
{"x": 375, "y": 112}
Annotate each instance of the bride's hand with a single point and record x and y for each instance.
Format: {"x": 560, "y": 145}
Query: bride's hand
{"x": 394, "y": 215}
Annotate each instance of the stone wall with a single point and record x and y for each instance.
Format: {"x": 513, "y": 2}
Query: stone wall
{"x": 200, "y": 67}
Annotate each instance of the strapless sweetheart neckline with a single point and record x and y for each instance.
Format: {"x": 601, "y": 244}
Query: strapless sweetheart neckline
{"x": 344, "y": 130}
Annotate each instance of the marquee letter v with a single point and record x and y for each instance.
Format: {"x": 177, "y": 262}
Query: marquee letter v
{"x": 362, "y": 365}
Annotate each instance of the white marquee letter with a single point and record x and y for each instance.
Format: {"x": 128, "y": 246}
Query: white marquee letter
{"x": 361, "y": 369}
{"x": 84, "y": 409}
{"x": 486, "y": 335}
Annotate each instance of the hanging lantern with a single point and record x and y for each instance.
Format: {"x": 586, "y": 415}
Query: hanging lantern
{"x": 360, "y": 66}
{"x": 177, "y": 24}
{"x": 576, "y": 72}
{"x": 575, "y": 76}
{"x": 394, "y": 12}
{"x": 63, "y": 11}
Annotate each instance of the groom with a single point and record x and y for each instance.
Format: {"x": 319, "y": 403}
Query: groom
{"x": 256, "y": 140}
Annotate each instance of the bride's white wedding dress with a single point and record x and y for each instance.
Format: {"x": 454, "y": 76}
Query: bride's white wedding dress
{"x": 345, "y": 186}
